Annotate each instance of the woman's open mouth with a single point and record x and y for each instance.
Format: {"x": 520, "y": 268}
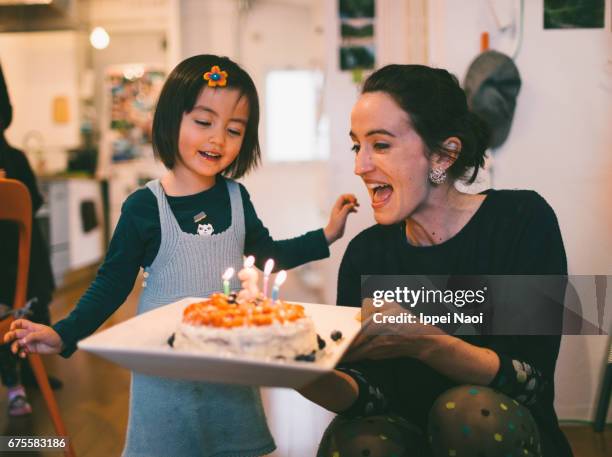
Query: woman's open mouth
{"x": 209, "y": 155}
{"x": 380, "y": 193}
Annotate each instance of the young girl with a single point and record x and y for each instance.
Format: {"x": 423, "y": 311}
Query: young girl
{"x": 185, "y": 230}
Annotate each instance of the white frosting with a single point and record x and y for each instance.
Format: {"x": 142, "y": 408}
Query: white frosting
{"x": 274, "y": 341}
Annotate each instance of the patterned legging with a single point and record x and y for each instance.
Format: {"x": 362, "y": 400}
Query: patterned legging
{"x": 465, "y": 421}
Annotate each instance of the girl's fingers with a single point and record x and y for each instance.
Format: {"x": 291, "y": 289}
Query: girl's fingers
{"x": 345, "y": 210}
{"x": 350, "y": 198}
{"x": 18, "y": 334}
{"x": 17, "y": 324}
{"x": 21, "y": 323}
{"x": 345, "y": 199}
{"x": 23, "y": 340}
{"x": 32, "y": 338}
{"x": 8, "y": 336}
{"x": 21, "y": 351}
{"x": 349, "y": 208}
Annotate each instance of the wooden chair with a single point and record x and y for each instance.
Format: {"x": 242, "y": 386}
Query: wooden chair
{"x": 16, "y": 206}
{"x": 604, "y": 395}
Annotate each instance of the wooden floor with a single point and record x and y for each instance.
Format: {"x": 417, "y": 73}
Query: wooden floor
{"x": 94, "y": 400}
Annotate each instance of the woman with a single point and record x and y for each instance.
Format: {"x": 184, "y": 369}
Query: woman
{"x": 482, "y": 395}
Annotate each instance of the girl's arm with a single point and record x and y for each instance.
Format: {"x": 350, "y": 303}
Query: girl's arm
{"x": 343, "y": 206}
{"x": 27, "y": 336}
{"x": 113, "y": 283}
{"x": 108, "y": 291}
{"x": 289, "y": 253}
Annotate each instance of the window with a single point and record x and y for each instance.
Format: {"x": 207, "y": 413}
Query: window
{"x": 295, "y": 128}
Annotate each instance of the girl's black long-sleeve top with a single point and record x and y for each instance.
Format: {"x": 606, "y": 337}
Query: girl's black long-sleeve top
{"x": 137, "y": 239}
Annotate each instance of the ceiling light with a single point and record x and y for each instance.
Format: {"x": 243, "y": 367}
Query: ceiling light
{"x": 99, "y": 38}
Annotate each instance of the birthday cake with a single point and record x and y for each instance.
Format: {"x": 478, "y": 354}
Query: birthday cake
{"x": 257, "y": 327}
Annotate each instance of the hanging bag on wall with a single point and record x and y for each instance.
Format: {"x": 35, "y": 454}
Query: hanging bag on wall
{"x": 492, "y": 85}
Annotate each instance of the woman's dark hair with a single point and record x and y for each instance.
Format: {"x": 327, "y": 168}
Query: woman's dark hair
{"x": 179, "y": 95}
{"x": 437, "y": 108}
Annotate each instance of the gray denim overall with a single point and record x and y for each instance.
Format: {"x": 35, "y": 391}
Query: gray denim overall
{"x": 176, "y": 418}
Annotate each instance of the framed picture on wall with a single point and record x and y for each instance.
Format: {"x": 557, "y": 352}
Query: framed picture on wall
{"x": 133, "y": 92}
{"x": 357, "y": 57}
{"x": 357, "y": 50}
{"x": 351, "y": 9}
{"x": 574, "y": 14}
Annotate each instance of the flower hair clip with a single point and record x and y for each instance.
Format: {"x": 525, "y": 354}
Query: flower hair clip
{"x": 216, "y": 77}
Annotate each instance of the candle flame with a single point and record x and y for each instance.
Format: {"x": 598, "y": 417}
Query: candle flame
{"x": 280, "y": 278}
{"x": 269, "y": 266}
{"x": 249, "y": 262}
{"x": 228, "y": 274}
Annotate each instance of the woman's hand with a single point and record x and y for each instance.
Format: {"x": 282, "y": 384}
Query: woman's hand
{"x": 335, "y": 391}
{"x": 29, "y": 337}
{"x": 345, "y": 204}
{"x": 446, "y": 354}
{"x": 384, "y": 340}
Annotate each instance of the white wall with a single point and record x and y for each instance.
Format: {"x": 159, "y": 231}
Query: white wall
{"x": 559, "y": 146}
{"x": 273, "y": 36}
{"x": 39, "y": 67}
{"x": 400, "y": 37}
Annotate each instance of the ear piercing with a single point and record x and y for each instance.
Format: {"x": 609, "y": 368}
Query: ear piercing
{"x": 452, "y": 146}
{"x": 437, "y": 175}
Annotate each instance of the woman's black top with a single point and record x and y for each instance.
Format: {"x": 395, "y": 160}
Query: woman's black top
{"x": 512, "y": 233}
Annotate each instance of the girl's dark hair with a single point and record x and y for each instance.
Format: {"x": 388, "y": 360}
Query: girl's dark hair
{"x": 437, "y": 108}
{"x": 179, "y": 95}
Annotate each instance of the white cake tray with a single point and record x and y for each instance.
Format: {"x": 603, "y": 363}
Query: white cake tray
{"x": 140, "y": 344}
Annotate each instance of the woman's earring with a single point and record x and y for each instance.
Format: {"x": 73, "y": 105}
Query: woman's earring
{"x": 437, "y": 175}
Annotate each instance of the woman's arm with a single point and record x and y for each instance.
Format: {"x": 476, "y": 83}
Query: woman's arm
{"x": 458, "y": 360}
{"x": 336, "y": 391}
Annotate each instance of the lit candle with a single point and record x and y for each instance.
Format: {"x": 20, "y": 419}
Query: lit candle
{"x": 248, "y": 278}
{"x": 226, "y": 279}
{"x": 268, "y": 267}
{"x": 278, "y": 281}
